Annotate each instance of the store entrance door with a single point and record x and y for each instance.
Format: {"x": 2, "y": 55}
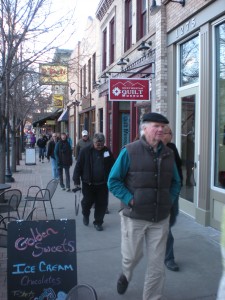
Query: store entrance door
{"x": 188, "y": 146}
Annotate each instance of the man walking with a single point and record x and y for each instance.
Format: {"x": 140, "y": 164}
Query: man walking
{"x": 51, "y": 155}
{"x": 93, "y": 166}
{"x": 63, "y": 156}
{"x": 83, "y": 142}
{"x": 169, "y": 257}
{"x": 145, "y": 178}
{"x": 41, "y": 143}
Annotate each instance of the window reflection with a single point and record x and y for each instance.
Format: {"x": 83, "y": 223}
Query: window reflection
{"x": 188, "y": 146}
{"x": 189, "y": 55}
{"x": 219, "y": 179}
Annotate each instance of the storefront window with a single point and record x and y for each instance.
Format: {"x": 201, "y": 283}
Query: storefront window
{"x": 219, "y": 179}
{"x": 189, "y": 62}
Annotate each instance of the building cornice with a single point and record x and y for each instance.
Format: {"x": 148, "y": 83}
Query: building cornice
{"x": 103, "y": 8}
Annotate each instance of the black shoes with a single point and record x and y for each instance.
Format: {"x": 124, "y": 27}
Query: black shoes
{"x": 98, "y": 227}
{"x": 171, "y": 265}
{"x": 122, "y": 284}
{"x": 85, "y": 220}
{"x": 76, "y": 189}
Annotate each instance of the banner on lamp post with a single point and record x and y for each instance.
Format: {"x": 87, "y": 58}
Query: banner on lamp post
{"x": 129, "y": 89}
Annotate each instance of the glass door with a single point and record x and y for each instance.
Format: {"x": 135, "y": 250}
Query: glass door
{"x": 187, "y": 142}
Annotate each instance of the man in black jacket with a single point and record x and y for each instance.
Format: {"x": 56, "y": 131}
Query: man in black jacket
{"x": 169, "y": 256}
{"x": 51, "y": 155}
{"x": 63, "y": 156}
{"x": 41, "y": 142}
{"x": 93, "y": 166}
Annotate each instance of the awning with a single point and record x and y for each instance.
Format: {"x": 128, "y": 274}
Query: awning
{"x": 41, "y": 118}
{"x": 64, "y": 116}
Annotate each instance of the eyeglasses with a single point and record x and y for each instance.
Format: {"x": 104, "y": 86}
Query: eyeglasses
{"x": 168, "y": 133}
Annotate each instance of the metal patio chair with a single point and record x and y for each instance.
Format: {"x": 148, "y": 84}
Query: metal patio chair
{"x": 4, "y": 230}
{"x": 10, "y": 201}
{"x": 4, "y": 227}
{"x": 82, "y": 292}
{"x": 37, "y": 194}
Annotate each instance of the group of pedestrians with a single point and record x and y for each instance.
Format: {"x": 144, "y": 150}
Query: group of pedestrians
{"x": 147, "y": 178}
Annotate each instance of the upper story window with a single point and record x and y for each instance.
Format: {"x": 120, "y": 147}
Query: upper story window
{"x": 84, "y": 80}
{"x": 93, "y": 69}
{"x": 189, "y": 62}
{"x": 111, "y": 41}
{"x": 141, "y": 18}
{"x": 128, "y": 25}
{"x": 81, "y": 81}
{"x": 104, "y": 49}
{"x": 89, "y": 75}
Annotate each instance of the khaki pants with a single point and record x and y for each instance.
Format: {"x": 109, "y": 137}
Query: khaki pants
{"x": 133, "y": 234}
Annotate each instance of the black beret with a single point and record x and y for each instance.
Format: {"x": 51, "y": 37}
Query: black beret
{"x": 155, "y": 117}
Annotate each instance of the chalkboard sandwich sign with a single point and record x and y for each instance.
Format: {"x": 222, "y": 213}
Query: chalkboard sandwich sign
{"x": 42, "y": 260}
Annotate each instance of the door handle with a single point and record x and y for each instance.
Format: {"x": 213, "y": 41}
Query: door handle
{"x": 193, "y": 172}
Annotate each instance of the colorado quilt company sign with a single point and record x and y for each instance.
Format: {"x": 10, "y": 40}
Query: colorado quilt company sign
{"x": 129, "y": 89}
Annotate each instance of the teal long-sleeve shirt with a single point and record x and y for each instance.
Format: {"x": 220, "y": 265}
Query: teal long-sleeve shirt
{"x": 119, "y": 171}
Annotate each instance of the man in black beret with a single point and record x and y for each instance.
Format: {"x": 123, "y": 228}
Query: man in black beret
{"x": 155, "y": 117}
{"x": 145, "y": 178}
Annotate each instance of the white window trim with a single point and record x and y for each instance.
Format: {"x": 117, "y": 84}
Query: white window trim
{"x": 213, "y": 187}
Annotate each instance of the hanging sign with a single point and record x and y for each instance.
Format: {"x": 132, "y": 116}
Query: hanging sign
{"x": 129, "y": 89}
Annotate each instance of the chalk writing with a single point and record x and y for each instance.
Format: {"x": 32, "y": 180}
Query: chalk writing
{"x": 23, "y": 268}
{"x": 64, "y": 247}
{"x": 42, "y": 267}
{"x": 23, "y": 294}
{"x": 27, "y": 281}
{"x": 22, "y": 243}
{"x": 41, "y": 259}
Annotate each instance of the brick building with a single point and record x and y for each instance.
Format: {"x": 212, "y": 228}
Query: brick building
{"x": 180, "y": 47}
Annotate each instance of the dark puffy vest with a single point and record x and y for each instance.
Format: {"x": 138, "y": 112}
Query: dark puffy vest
{"x": 149, "y": 179}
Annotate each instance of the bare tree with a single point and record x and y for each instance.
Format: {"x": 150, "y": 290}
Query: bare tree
{"x": 28, "y": 34}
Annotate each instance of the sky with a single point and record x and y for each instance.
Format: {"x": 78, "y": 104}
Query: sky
{"x": 83, "y": 9}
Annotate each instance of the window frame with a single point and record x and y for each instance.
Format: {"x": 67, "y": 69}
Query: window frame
{"x": 128, "y": 25}
{"x": 112, "y": 40}
{"x": 93, "y": 69}
{"x": 104, "y": 49}
{"x": 141, "y": 19}
{"x": 215, "y": 153}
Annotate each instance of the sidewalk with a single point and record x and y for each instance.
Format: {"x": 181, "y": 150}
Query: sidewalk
{"x": 197, "y": 249}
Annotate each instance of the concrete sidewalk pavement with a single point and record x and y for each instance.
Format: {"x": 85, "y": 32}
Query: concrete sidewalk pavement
{"x": 197, "y": 248}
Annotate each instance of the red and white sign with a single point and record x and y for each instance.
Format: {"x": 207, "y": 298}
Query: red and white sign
{"x": 129, "y": 89}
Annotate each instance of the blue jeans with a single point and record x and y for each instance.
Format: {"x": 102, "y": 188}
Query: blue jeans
{"x": 170, "y": 239}
{"x": 67, "y": 173}
{"x": 55, "y": 173}
{"x": 169, "y": 246}
{"x": 41, "y": 153}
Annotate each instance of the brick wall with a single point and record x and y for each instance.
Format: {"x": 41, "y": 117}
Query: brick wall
{"x": 176, "y": 14}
